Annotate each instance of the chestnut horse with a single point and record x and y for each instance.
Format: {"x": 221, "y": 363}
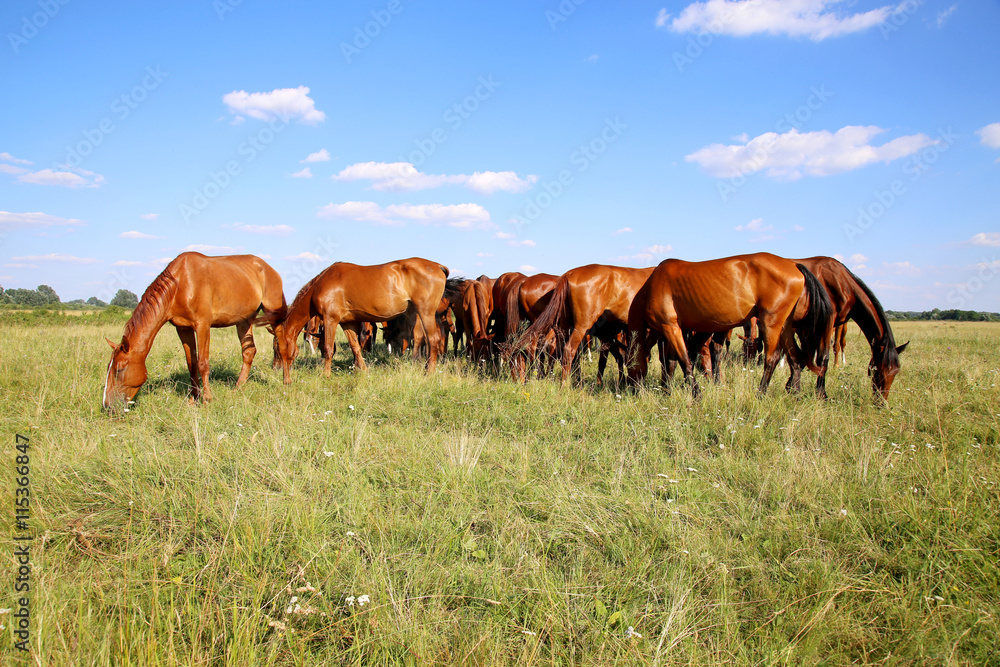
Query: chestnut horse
{"x": 840, "y": 344}
{"x": 584, "y": 297}
{"x": 475, "y": 307}
{"x": 717, "y": 295}
{"x": 853, "y": 300}
{"x": 196, "y": 293}
{"x": 528, "y": 300}
{"x": 348, "y": 295}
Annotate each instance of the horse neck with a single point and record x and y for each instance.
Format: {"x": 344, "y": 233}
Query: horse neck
{"x": 865, "y": 314}
{"x": 298, "y": 315}
{"x": 142, "y": 328}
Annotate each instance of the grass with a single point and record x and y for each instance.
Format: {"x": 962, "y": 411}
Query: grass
{"x": 490, "y": 523}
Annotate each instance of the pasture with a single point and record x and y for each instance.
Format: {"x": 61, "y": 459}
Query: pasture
{"x": 396, "y": 518}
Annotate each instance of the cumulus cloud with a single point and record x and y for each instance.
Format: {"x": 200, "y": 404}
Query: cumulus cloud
{"x": 303, "y": 173}
{"x": 137, "y": 235}
{"x": 453, "y": 215}
{"x": 77, "y": 178}
{"x": 794, "y": 154}
{"x": 306, "y": 257}
{"x": 990, "y": 135}
{"x": 321, "y": 155}
{"x": 755, "y": 225}
{"x": 650, "y": 255}
{"x": 10, "y": 220}
{"x": 814, "y": 19}
{"x": 56, "y": 257}
{"x": 403, "y": 176}
{"x": 150, "y": 216}
{"x": 284, "y": 103}
{"x": 7, "y": 157}
{"x": 527, "y": 268}
{"x": 271, "y": 230}
{"x": 988, "y": 239}
{"x": 623, "y": 230}
{"x": 128, "y": 262}
{"x": 901, "y": 268}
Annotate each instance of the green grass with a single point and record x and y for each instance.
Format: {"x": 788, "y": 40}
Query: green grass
{"x": 491, "y": 523}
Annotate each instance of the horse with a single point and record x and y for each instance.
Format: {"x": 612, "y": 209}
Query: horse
{"x": 196, "y": 293}
{"x": 582, "y": 299}
{"x": 349, "y": 294}
{"x": 475, "y": 307}
{"x": 717, "y": 295}
{"x": 442, "y": 318}
{"x": 853, "y": 300}
{"x": 497, "y": 325}
{"x": 528, "y": 300}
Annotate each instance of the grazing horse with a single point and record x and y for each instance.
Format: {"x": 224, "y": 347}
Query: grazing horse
{"x": 585, "y": 297}
{"x": 348, "y": 295}
{"x": 528, "y": 301}
{"x": 853, "y": 300}
{"x": 476, "y": 304}
{"x": 717, "y": 295}
{"x": 196, "y": 293}
{"x": 497, "y": 326}
{"x": 442, "y": 318}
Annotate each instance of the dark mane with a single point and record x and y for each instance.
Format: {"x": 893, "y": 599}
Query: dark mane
{"x": 153, "y": 301}
{"x": 887, "y": 342}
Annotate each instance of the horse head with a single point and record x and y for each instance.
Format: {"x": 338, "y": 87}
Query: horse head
{"x": 883, "y": 367}
{"x": 126, "y": 374}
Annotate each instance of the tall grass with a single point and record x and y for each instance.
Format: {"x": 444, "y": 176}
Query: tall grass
{"x": 490, "y": 523}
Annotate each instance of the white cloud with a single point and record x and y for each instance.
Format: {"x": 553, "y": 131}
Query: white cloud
{"x": 526, "y": 243}
{"x": 756, "y": 225}
{"x": 303, "y": 173}
{"x": 623, "y": 230}
{"x": 150, "y": 216}
{"x": 989, "y": 239}
{"x": 901, "y": 268}
{"x": 484, "y": 254}
{"x": 990, "y": 135}
{"x": 79, "y": 178}
{"x": 659, "y": 249}
{"x": 127, "y": 262}
{"x": 944, "y": 15}
{"x": 279, "y": 103}
{"x": 662, "y": 17}
{"x": 798, "y": 228}
{"x": 11, "y": 169}
{"x": 527, "y": 268}
{"x": 593, "y": 58}
{"x": 210, "y": 249}
{"x": 137, "y": 235}
{"x": 814, "y": 19}
{"x": 505, "y": 235}
{"x": 306, "y": 257}
{"x": 10, "y": 220}
{"x": 56, "y": 257}
{"x": 321, "y": 155}
{"x": 21, "y": 266}
{"x": 453, "y": 215}
{"x": 7, "y": 157}
{"x": 793, "y": 154}
{"x": 403, "y": 176}
{"x": 272, "y": 230}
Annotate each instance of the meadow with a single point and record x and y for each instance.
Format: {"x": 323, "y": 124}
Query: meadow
{"x": 395, "y": 518}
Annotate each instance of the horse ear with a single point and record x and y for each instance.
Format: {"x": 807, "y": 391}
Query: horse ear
{"x": 899, "y": 350}
{"x": 110, "y": 344}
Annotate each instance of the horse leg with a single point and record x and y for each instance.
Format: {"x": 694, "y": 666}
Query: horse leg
{"x": 617, "y": 354}
{"x": 569, "y": 354}
{"x": 204, "y": 335}
{"x": 602, "y": 361}
{"x": 772, "y": 349}
{"x": 191, "y": 356}
{"x": 244, "y": 330}
{"x": 329, "y": 345}
{"x": 675, "y": 340}
{"x": 351, "y": 331}
{"x": 715, "y": 353}
{"x": 429, "y": 322}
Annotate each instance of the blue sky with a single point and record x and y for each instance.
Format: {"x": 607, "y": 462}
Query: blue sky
{"x": 533, "y": 136}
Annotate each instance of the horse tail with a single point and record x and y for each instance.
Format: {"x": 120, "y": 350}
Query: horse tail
{"x": 814, "y": 328}
{"x": 452, "y": 288}
{"x": 556, "y": 314}
{"x": 444, "y": 268}
{"x": 512, "y": 311}
{"x": 481, "y": 311}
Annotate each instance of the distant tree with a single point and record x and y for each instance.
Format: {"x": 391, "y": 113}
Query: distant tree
{"x": 94, "y": 301}
{"x": 76, "y": 302}
{"x": 3, "y": 296}
{"x": 48, "y": 294}
{"x": 125, "y": 299}
{"x": 26, "y": 297}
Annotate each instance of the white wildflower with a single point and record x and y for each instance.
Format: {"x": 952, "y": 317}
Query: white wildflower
{"x": 363, "y": 600}
{"x": 630, "y": 633}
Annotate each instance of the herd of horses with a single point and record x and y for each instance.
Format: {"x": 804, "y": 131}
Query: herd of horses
{"x": 787, "y": 308}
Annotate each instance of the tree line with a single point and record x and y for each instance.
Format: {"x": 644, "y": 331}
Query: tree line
{"x": 937, "y": 314}
{"x": 43, "y": 296}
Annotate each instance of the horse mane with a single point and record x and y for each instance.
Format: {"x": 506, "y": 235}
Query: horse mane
{"x": 888, "y": 342}
{"x": 154, "y": 300}
{"x": 304, "y": 291}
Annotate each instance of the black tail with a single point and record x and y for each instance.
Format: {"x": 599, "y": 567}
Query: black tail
{"x": 813, "y": 329}
{"x": 512, "y": 311}
{"x": 453, "y": 288}
{"x": 555, "y": 315}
